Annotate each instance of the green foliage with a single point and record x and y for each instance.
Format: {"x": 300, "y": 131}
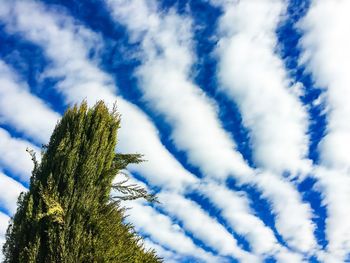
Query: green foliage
{"x": 68, "y": 215}
{"x": 132, "y": 192}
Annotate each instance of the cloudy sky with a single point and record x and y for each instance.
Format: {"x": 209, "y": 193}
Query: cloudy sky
{"x": 241, "y": 108}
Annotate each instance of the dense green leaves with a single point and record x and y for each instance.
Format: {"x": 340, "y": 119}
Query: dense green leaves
{"x": 68, "y": 215}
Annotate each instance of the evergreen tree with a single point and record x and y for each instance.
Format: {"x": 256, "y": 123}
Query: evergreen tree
{"x": 68, "y": 215}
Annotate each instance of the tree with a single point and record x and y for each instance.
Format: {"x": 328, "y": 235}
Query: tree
{"x": 68, "y": 214}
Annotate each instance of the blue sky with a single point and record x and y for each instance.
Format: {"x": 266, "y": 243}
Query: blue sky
{"x": 240, "y": 108}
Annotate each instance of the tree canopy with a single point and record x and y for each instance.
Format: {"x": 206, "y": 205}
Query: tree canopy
{"x": 68, "y": 214}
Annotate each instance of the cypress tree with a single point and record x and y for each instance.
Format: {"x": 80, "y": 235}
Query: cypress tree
{"x": 68, "y": 214}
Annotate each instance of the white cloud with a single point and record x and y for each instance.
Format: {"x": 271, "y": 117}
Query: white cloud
{"x": 163, "y": 230}
{"x": 9, "y": 192}
{"x": 326, "y": 55}
{"x": 22, "y": 110}
{"x": 14, "y": 157}
{"x": 4, "y": 220}
{"x": 167, "y": 255}
{"x": 254, "y": 77}
{"x": 293, "y": 217}
{"x": 335, "y": 188}
{"x": 164, "y": 78}
{"x": 170, "y": 201}
{"x": 285, "y": 256}
{"x": 138, "y": 134}
{"x": 68, "y": 43}
{"x": 235, "y": 209}
{"x": 203, "y": 227}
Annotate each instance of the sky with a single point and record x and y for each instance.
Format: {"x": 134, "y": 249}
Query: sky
{"x": 240, "y": 108}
